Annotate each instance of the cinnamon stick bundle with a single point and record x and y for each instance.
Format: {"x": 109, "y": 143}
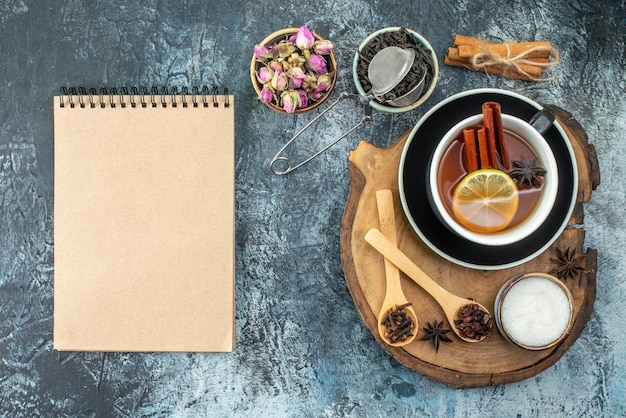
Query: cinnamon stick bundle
{"x": 520, "y": 60}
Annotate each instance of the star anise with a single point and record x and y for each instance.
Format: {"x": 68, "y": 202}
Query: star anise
{"x": 568, "y": 263}
{"x": 527, "y": 174}
{"x": 436, "y": 333}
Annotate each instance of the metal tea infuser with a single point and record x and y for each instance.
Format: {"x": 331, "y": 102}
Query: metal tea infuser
{"x": 385, "y": 71}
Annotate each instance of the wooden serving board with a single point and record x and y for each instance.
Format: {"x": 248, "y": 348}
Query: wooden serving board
{"x": 458, "y": 364}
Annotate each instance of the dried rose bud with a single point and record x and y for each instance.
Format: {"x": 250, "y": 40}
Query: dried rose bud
{"x": 262, "y": 52}
{"x": 285, "y": 48}
{"x": 322, "y": 47}
{"x": 279, "y": 81}
{"x": 309, "y": 82}
{"x": 296, "y": 60}
{"x": 265, "y": 75}
{"x": 296, "y": 75}
{"x": 315, "y": 95}
{"x": 275, "y": 66}
{"x": 286, "y": 65}
{"x": 317, "y": 64}
{"x": 291, "y": 101}
{"x": 323, "y": 82}
{"x": 304, "y": 38}
{"x": 304, "y": 100}
{"x": 266, "y": 95}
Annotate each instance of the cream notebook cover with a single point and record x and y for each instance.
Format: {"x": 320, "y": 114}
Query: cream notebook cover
{"x": 143, "y": 222}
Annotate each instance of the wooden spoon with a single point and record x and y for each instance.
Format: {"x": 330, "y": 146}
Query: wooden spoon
{"x": 394, "y": 297}
{"x": 450, "y": 303}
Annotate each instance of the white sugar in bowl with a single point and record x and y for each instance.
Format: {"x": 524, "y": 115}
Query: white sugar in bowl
{"x": 534, "y": 311}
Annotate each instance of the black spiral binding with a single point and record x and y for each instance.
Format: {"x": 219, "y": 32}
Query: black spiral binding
{"x": 71, "y": 97}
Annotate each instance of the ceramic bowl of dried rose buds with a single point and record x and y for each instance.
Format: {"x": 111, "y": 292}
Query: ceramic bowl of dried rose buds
{"x": 293, "y": 70}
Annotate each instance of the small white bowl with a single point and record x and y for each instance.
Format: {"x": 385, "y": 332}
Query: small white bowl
{"x": 548, "y": 194}
{"x": 386, "y": 108}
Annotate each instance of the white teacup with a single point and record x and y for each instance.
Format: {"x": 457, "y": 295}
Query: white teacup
{"x": 541, "y": 210}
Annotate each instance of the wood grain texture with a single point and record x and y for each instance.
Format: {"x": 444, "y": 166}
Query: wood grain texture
{"x": 493, "y": 361}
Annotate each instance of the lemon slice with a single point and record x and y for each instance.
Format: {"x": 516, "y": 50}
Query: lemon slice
{"x": 485, "y": 201}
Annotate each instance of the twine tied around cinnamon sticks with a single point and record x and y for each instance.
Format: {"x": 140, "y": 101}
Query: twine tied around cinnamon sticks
{"x": 520, "y": 60}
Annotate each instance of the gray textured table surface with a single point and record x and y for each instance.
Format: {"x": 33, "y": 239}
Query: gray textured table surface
{"x": 301, "y": 347}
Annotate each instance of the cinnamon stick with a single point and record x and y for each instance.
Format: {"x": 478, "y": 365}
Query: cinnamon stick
{"x": 491, "y": 136}
{"x": 470, "y": 149}
{"x": 503, "y": 50}
{"x": 500, "y": 139}
{"x": 470, "y": 40}
{"x": 483, "y": 148}
{"x": 492, "y": 118}
{"x": 476, "y": 148}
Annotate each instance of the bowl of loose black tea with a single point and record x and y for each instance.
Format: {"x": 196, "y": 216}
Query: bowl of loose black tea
{"x": 424, "y": 66}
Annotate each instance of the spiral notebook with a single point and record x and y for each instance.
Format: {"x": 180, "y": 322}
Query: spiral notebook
{"x": 143, "y": 220}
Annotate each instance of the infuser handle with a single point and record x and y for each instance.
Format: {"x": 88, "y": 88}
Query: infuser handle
{"x": 367, "y": 117}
